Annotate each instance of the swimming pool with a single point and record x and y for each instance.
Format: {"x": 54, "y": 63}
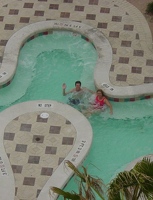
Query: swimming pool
{"x": 43, "y": 67}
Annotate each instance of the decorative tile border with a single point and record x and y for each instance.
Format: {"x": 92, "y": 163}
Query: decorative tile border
{"x": 50, "y": 32}
{"x": 130, "y": 99}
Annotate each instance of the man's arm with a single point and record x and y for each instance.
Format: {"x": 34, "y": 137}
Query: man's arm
{"x": 64, "y": 88}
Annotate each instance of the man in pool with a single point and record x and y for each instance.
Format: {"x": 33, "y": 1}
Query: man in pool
{"x": 77, "y": 93}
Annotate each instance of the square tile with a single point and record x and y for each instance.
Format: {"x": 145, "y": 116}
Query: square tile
{"x": 1, "y": 18}
{"x": 114, "y": 34}
{"x": 104, "y": 10}
{"x": 93, "y": 2}
{"x": 116, "y": 18}
{"x": 9, "y": 136}
{"x": 68, "y": 1}
{"x": 79, "y": 8}
{"x": 29, "y": 181}
{"x": 102, "y": 25}
{"x": 40, "y": 119}
{"x": 50, "y": 150}
{"x": 60, "y": 160}
{"x": 137, "y": 70}
{"x": 16, "y": 119}
{"x": 54, "y": 6}
{"x": 5, "y": 5}
{"x": 39, "y": 13}
{"x": 34, "y": 159}
{"x": 38, "y": 139}
{"x": 121, "y": 77}
{"x": 116, "y": 100}
{"x": 124, "y": 60}
{"x": 8, "y": 155}
{"x": 67, "y": 140}
{"x": 149, "y": 62}
{"x": 114, "y": 50}
{"x": 17, "y": 168}
{"x": 13, "y": 12}
{"x": 28, "y": 5}
{"x": 24, "y": 19}
{"x": 67, "y": 122}
{"x": 132, "y": 99}
{"x": 148, "y": 79}
{"x": 9, "y": 27}
{"x": 16, "y": 190}
{"x": 65, "y": 15}
{"x": 55, "y": 129}
{"x": 38, "y": 192}
{"x": 138, "y": 53}
{"x": 21, "y": 148}
{"x": 112, "y": 68}
{"x": 125, "y": 43}
{"x": 128, "y": 27}
{"x": 46, "y": 171}
{"x": 90, "y": 16}
{"x": 3, "y": 42}
{"x": 25, "y": 127}
{"x": 137, "y": 36}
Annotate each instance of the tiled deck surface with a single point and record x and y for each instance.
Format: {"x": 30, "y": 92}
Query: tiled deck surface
{"x": 131, "y": 41}
{"x": 36, "y": 137}
{"x": 35, "y": 147}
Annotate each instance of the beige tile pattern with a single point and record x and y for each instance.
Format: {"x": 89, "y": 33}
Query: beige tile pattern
{"x": 35, "y": 147}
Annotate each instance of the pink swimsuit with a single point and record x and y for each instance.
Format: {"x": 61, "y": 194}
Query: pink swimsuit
{"x": 99, "y": 102}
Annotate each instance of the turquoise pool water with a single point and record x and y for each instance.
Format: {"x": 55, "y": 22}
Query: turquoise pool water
{"x": 48, "y": 61}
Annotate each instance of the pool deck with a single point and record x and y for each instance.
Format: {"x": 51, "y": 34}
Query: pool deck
{"x": 132, "y": 67}
{"x": 36, "y": 139}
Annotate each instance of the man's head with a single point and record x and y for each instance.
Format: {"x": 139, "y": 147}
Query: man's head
{"x": 78, "y": 82}
{"x": 78, "y": 85}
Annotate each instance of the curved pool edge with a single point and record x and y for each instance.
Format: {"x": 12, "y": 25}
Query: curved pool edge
{"x": 102, "y": 68}
{"x": 134, "y": 162}
{"x": 83, "y": 141}
{"x": 18, "y": 39}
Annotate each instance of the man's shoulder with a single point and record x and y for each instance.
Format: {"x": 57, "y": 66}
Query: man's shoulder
{"x": 84, "y": 88}
{"x": 73, "y": 90}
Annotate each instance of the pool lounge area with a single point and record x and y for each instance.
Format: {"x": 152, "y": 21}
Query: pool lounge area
{"x": 123, "y": 41}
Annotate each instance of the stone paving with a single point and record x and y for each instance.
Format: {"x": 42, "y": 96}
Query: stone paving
{"x": 35, "y": 147}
